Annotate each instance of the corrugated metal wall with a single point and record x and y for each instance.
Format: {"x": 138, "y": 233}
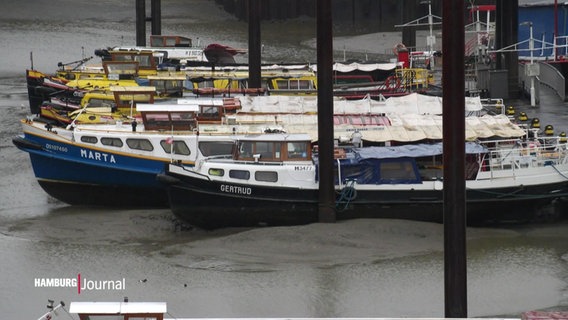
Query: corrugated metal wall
{"x": 382, "y": 15}
{"x": 542, "y": 18}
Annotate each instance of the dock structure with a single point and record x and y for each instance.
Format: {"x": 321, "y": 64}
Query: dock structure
{"x": 346, "y": 318}
{"x": 545, "y": 315}
{"x": 159, "y": 310}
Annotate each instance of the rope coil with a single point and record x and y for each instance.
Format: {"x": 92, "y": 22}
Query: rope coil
{"x": 346, "y": 195}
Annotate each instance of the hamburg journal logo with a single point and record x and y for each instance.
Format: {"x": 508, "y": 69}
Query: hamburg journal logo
{"x": 81, "y": 284}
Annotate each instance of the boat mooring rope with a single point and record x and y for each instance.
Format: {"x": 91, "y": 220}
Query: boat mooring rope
{"x": 559, "y": 172}
{"x": 514, "y": 194}
{"x": 346, "y": 194}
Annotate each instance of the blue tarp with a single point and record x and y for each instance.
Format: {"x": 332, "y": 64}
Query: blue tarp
{"x": 412, "y": 151}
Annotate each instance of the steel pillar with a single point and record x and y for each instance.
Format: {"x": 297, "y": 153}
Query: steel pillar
{"x": 453, "y": 105}
{"x": 326, "y": 208}
{"x": 141, "y": 23}
{"x": 254, "y": 43}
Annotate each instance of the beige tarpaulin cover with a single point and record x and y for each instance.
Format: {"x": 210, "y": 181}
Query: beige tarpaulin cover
{"x": 403, "y": 127}
{"x": 412, "y": 117}
{"x": 423, "y": 104}
{"x": 412, "y": 103}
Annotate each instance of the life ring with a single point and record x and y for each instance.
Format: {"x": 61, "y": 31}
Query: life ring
{"x": 398, "y": 47}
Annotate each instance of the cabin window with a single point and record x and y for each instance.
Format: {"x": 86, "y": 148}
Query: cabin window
{"x": 216, "y": 148}
{"x": 128, "y": 100}
{"x": 297, "y": 150}
{"x": 160, "y": 85}
{"x": 131, "y": 102}
{"x": 363, "y": 174}
{"x": 113, "y": 142}
{"x": 183, "y": 42}
{"x": 268, "y": 176}
{"x": 155, "y": 121}
{"x": 144, "y": 60}
{"x": 304, "y": 84}
{"x": 239, "y": 174}
{"x": 169, "y": 121}
{"x": 397, "y": 171}
{"x": 96, "y": 102}
{"x": 89, "y": 139}
{"x": 245, "y": 149}
{"x": 210, "y": 112}
{"x": 216, "y": 172}
{"x": 140, "y": 144}
{"x": 122, "y": 57}
{"x": 156, "y": 41}
{"x": 281, "y": 84}
{"x": 294, "y": 84}
{"x": 268, "y": 150}
{"x": 123, "y": 68}
{"x": 176, "y": 146}
{"x": 167, "y": 86}
{"x": 183, "y": 120}
{"x": 170, "y": 42}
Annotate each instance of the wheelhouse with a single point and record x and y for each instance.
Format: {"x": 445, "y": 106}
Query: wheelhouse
{"x": 147, "y": 60}
{"x": 168, "y": 117}
{"x": 169, "y": 41}
{"x": 127, "y": 98}
{"x": 121, "y": 70}
{"x": 277, "y": 148}
{"x": 183, "y": 116}
{"x": 167, "y": 86}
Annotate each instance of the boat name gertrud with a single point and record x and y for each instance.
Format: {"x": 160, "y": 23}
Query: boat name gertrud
{"x": 236, "y": 189}
{"x": 55, "y": 147}
{"x": 99, "y": 156}
{"x": 303, "y": 168}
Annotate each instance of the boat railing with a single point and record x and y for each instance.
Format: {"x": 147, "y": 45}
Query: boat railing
{"x": 496, "y": 105}
{"x": 260, "y": 162}
{"x": 504, "y": 160}
{"x": 414, "y": 78}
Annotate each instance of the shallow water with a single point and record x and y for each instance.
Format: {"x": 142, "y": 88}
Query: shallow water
{"x": 360, "y": 268}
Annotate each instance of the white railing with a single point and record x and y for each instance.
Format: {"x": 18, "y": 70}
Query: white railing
{"x": 553, "y": 78}
{"x": 503, "y": 161}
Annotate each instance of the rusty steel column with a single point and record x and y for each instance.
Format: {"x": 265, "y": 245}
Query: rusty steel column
{"x": 453, "y": 123}
{"x": 409, "y": 9}
{"x": 326, "y": 208}
{"x": 254, "y": 47}
{"x": 141, "y": 23}
{"x": 156, "y": 16}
